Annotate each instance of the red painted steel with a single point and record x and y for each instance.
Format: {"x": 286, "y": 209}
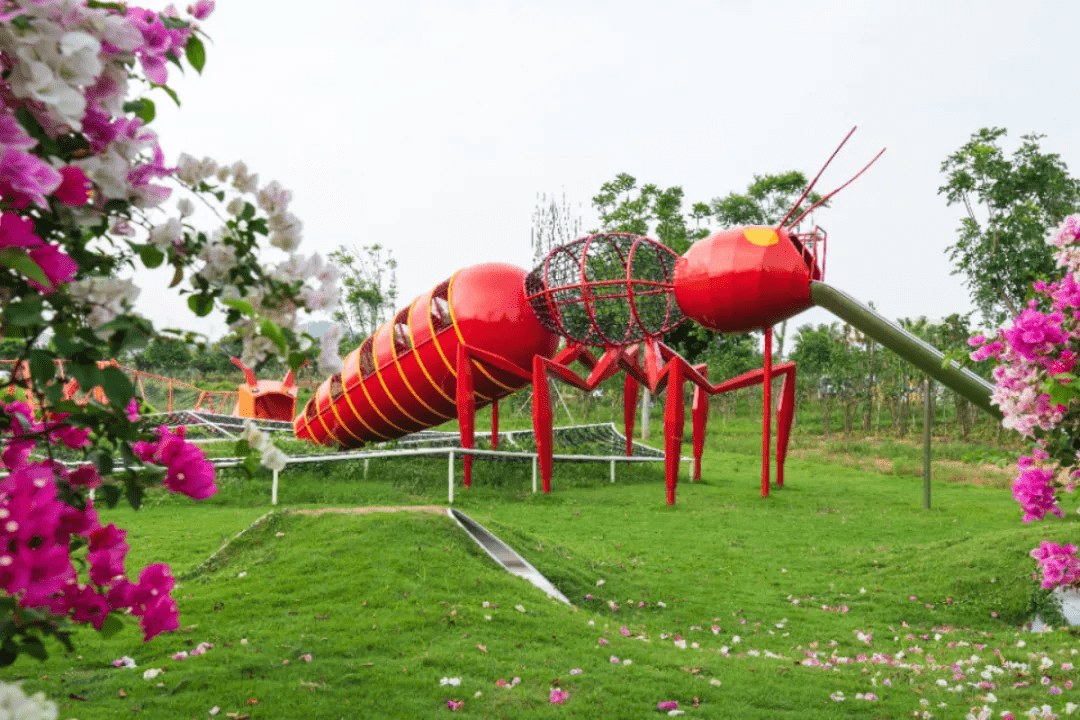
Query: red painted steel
{"x": 265, "y": 399}
{"x": 766, "y": 413}
{"x": 492, "y": 329}
{"x": 744, "y": 279}
{"x": 404, "y": 377}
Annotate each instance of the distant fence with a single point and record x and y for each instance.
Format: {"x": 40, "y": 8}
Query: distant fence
{"x": 607, "y": 442}
{"x": 158, "y": 392}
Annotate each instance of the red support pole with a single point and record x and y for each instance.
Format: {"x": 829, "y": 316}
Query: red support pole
{"x": 700, "y": 416}
{"x": 784, "y": 416}
{"x": 495, "y": 425}
{"x": 630, "y": 398}
{"x": 766, "y": 415}
{"x": 541, "y": 412}
{"x": 466, "y": 407}
{"x": 674, "y": 419}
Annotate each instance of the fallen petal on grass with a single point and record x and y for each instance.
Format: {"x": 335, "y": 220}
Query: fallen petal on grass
{"x": 558, "y": 697}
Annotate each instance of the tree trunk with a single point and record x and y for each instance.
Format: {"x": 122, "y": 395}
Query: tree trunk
{"x": 828, "y": 411}
{"x": 780, "y": 342}
{"x": 869, "y": 388}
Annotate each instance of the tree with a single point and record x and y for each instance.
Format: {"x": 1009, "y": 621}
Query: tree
{"x": 766, "y": 201}
{"x": 164, "y": 356}
{"x": 554, "y": 224}
{"x": 1008, "y": 202}
{"x": 369, "y": 282}
{"x": 624, "y": 207}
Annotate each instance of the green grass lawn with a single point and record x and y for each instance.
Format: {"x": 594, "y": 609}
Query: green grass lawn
{"x": 733, "y": 605}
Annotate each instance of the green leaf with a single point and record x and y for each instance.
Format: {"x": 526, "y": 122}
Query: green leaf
{"x": 95, "y": 4}
{"x": 248, "y": 213}
{"x": 33, "y": 129}
{"x": 42, "y": 367}
{"x": 151, "y": 256}
{"x": 250, "y": 465}
{"x": 296, "y": 359}
{"x": 241, "y": 448}
{"x": 181, "y": 686}
{"x": 24, "y": 313}
{"x": 143, "y": 108}
{"x": 134, "y": 493}
{"x": 201, "y": 305}
{"x": 103, "y": 461}
{"x": 7, "y": 655}
{"x": 196, "y": 53}
{"x": 112, "y": 494}
{"x": 242, "y": 305}
{"x": 272, "y": 331}
{"x": 118, "y": 387}
{"x": 88, "y": 374}
{"x": 111, "y": 626}
{"x": 53, "y": 393}
{"x": 34, "y": 648}
{"x": 171, "y": 57}
{"x": 16, "y": 259}
{"x": 1061, "y": 394}
{"x": 169, "y": 91}
{"x": 177, "y": 276}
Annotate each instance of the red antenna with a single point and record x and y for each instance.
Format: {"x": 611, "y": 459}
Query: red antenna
{"x": 819, "y": 202}
{"x": 814, "y": 182}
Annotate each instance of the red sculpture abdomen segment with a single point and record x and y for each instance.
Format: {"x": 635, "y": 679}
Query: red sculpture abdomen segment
{"x": 404, "y": 378}
{"x": 729, "y": 283}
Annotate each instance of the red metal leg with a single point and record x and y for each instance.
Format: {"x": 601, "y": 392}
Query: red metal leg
{"x": 495, "y": 425}
{"x": 673, "y": 427}
{"x": 783, "y": 423}
{"x": 466, "y": 407}
{"x": 700, "y": 416}
{"x": 630, "y": 398}
{"x": 541, "y": 412}
{"x": 766, "y": 419}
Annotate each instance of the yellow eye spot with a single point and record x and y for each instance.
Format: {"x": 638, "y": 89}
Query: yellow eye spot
{"x": 761, "y": 236}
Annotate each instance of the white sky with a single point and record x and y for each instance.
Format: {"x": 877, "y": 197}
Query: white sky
{"x": 430, "y": 127}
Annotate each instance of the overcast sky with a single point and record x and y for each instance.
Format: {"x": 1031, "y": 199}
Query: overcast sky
{"x": 430, "y": 127}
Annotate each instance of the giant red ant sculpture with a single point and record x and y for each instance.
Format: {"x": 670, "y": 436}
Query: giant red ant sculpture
{"x": 492, "y": 329}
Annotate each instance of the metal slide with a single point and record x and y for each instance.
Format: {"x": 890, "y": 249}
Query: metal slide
{"x": 917, "y": 352}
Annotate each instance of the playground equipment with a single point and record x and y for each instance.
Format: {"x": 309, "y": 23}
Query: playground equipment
{"x": 265, "y": 399}
{"x": 492, "y": 329}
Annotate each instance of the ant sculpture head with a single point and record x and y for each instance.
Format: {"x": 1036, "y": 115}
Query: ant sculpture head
{"x": 753, "y": 277}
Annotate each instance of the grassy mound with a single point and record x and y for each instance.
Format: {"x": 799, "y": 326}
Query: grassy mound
{"x": 841, "y": 583}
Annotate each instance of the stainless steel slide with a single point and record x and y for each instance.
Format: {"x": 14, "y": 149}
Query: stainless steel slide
{"x": 917, "y": 352}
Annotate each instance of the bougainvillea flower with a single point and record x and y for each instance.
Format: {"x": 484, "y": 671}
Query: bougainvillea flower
{"x": 107, "y": 552}
{"x": 74, "y": 188}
